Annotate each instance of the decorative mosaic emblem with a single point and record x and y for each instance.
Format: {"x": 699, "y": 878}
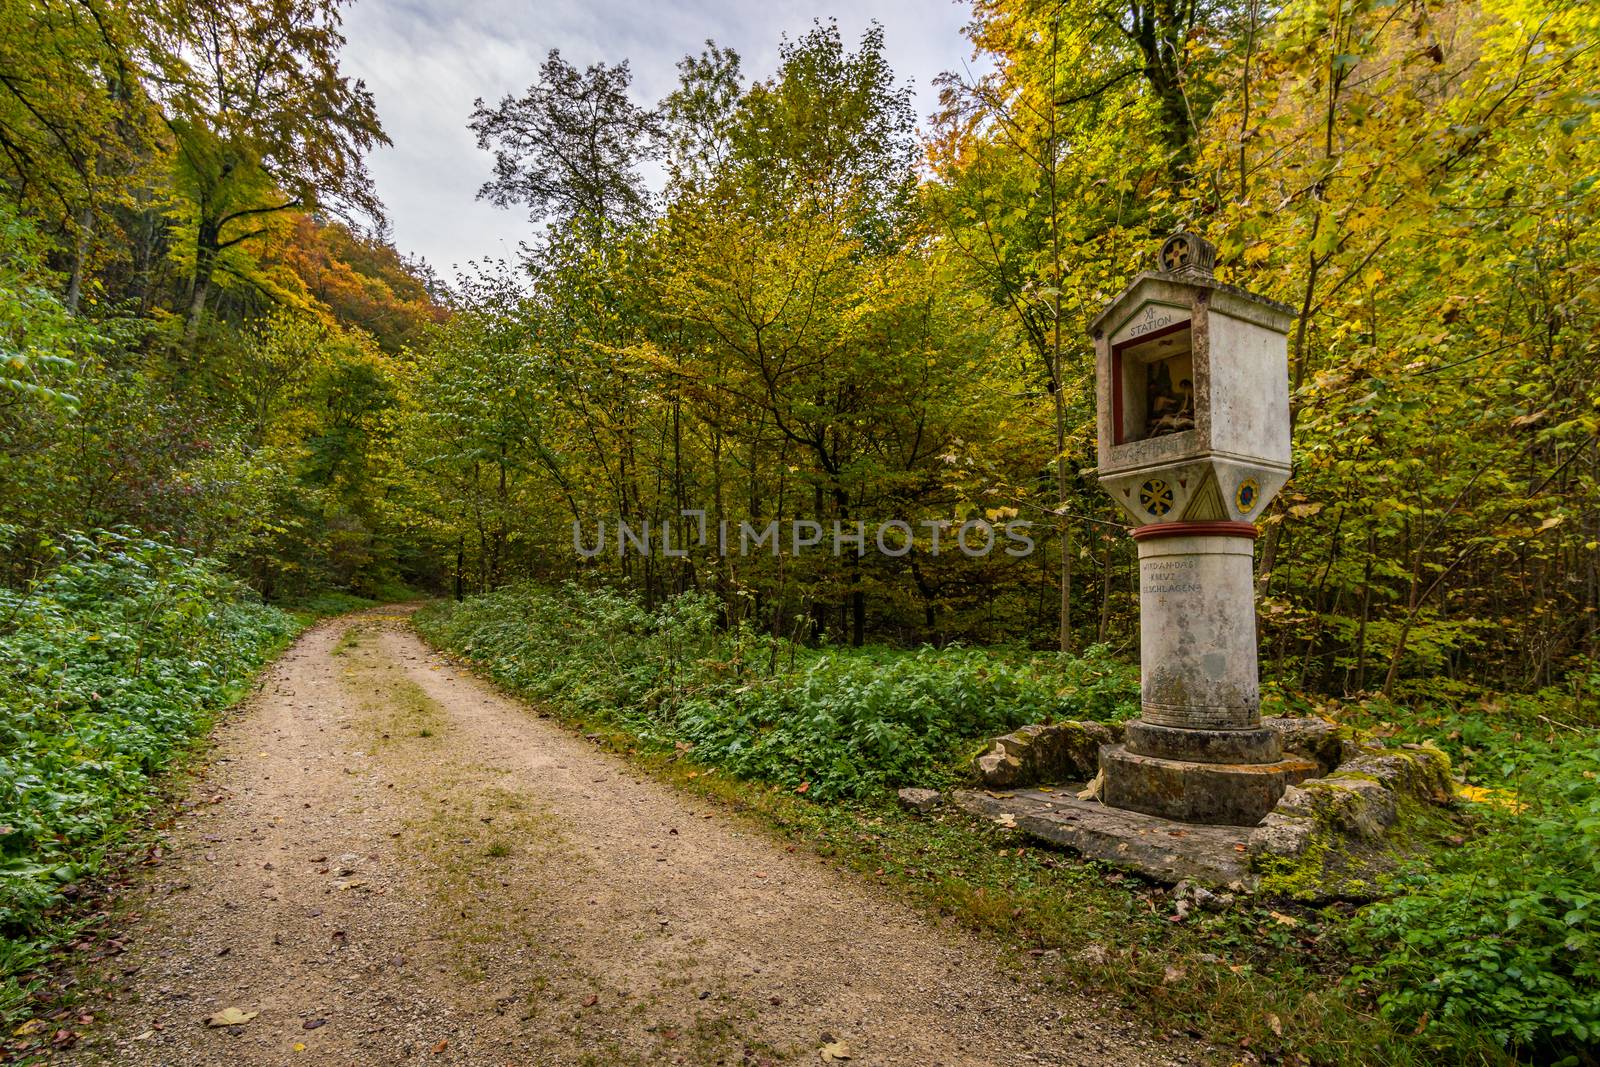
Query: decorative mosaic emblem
{"x": 1155, "y": 496}
{"x": 1176, "y": 254}
{"x": 1245, "y": 498}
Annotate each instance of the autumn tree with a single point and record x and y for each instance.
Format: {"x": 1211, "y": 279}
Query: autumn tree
{"x": 264, "y": 122}
{"x": 569, "y": 148}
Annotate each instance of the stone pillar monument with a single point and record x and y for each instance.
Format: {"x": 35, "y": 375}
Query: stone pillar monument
{"x": 1193, "y": 397}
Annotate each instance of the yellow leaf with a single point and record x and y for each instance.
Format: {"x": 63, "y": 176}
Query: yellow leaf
{"x": 231, "y": 1017}
{"x": 835, "y": 1050}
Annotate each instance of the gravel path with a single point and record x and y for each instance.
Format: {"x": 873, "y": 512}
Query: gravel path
{"x": 391, "y": 863}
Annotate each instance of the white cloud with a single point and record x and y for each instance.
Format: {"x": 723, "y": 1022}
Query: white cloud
{"x": 426, "y": 61}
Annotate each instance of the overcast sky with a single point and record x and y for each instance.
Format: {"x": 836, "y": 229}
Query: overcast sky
{"x": 427, "y": 60}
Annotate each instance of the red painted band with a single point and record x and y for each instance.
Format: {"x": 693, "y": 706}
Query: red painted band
{"x": 1195, "y": 529}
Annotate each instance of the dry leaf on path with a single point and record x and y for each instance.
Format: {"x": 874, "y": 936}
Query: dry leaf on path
{"x": 834, "y": 1051}
{"x": 231, "y": 1017}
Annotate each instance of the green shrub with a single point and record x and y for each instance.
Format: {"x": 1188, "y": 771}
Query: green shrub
{"x": 1503, "y": 934}
{"x": 109, "y": 664}
{"x": 840, "y": 722}
{"x": 328, "y": 602}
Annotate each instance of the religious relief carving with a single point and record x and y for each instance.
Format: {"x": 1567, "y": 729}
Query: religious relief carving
{"x": 1169, "y": 395}
{"x": 1155, "y": 370}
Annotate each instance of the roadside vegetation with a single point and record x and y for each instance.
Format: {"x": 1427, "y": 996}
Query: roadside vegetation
{"x": 1483, "y": 953}
{"x": 113, "y": 661}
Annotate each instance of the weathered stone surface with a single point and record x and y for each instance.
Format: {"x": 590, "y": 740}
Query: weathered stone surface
{"x": 1421, "y": 772}
{"x": 1249, "y": 745}
{"x": 1330, "y": 837}
{"x": 1161, "y": 849}
{"x": 1315, "y": 739}
{"x": 1230, "y": 794}
{"x": 1197, "y": 633}
{"x": 1056, "y": 752}
{"x": 920, "y": 799}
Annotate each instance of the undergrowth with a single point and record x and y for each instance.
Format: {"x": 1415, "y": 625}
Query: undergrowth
{"x": 111, "y": 662}
{"x": 834, "y": 722}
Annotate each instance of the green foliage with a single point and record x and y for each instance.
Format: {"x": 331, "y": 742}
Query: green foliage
{"x": 111, "y": 661}
{"x": 328, "y": 603}
{"x": 37, "y": 336}
{"x": 839, "y": 722}
{"x": 1503, "y": 934}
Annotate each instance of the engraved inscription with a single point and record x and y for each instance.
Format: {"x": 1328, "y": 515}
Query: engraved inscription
{"x": 1169, "y": 576}
{"x": 1151, "y": 319}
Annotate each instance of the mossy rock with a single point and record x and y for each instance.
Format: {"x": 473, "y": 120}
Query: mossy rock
{"x": 1335, "y": 837}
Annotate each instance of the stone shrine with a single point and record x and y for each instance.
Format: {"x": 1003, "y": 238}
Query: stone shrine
{"x": 1193, "y": 425}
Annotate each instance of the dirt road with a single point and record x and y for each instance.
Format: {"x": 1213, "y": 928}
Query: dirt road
{"x": 390, "y": 863}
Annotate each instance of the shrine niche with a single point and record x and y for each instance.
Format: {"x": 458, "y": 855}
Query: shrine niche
{"x": 1155, "y": 381}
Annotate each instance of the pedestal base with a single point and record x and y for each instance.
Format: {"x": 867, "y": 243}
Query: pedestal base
{"x": 1254, "y": 744}
{"x": 1226, "y": 794}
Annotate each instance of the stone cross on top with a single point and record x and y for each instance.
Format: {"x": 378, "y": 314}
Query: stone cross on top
{"x": 1192, "y": 386}
{"x": 1184, "y": 253}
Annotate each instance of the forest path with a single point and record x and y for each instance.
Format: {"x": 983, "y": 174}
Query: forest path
{"x": 420, "y": 869}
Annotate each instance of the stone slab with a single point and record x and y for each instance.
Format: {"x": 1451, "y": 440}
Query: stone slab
{"x": 1157, "y": 848}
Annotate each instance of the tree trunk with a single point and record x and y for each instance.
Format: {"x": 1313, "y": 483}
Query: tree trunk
{"x": 205, "y": 262}
{"x": 80, "y": 256}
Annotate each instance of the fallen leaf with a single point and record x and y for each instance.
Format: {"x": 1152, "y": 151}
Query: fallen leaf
{"x": 443, "y": 1044}
{"x": 1275, "y": 1024}
{"x": 591, "y": 1000}
{"x": 1284, "y": 920}
{"x": 312, "y": 1024}
{"x": 32, "y": 1026}
{"x": 231, "y": 1017}
{"x": 835, "y": 1050}
{"x": 802, "y": 787}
